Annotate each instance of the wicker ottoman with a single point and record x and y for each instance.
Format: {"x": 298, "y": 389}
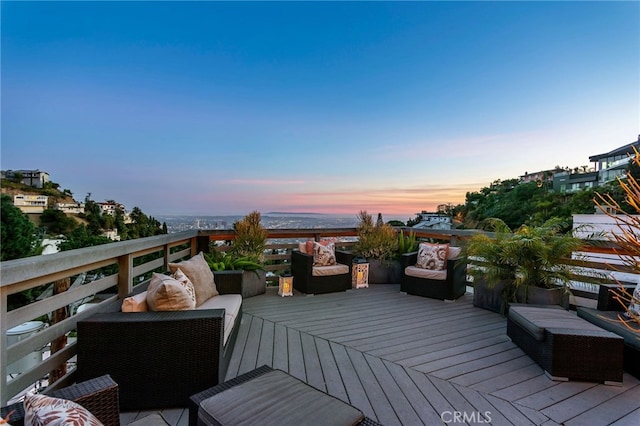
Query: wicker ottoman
{"x": 566, "y": 346}
{"x": 270, "y": 397}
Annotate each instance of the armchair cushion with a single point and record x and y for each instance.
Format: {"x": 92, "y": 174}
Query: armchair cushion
{"x": 323, "y": 271}
{"x": 46, "y": 410}
{"x": 432, "y": 256}
{"x": 414, "y": 271}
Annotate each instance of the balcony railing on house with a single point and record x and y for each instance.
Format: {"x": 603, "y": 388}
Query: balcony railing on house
{"x": 116, "y": 270}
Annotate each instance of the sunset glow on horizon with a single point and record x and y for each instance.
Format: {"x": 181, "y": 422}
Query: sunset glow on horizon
{"x": 215, "y": 108}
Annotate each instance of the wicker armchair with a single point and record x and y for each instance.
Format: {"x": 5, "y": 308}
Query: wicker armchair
{"x": 450, "y": 288}
{"x": 98, "y": 395}
{"x": 305, "y": 281}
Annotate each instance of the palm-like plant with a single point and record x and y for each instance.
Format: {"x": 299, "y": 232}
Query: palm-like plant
{"x": 529, "y": 256}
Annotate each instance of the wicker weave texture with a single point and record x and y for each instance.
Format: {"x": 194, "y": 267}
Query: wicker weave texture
{"x": 450, "y": 289}
{"x": 573, "y": 354}
{"x": 158, "y": 359}
{"x": 305, "y": 282}
{"x": 98, "y": 395}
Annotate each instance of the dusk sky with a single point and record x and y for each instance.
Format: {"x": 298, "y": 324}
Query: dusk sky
{"x": 210, "y": 108}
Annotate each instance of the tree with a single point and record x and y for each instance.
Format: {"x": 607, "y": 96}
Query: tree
{"x": 18, "y": 232}
{"x": 56, "y": 222}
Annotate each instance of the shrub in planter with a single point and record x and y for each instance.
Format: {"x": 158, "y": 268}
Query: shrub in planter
{"x": 377, "y": 243}
{"x": 516, "y": 264}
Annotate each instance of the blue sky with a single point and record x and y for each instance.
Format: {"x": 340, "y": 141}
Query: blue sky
{"x": 393, "y": 107}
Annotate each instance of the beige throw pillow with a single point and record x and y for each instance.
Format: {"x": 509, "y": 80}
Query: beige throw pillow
{"x": 168, "y": 294}
{"x": 200, "y": 275}
{"x": 432, "y": 256}
{"x": 324, "y": 255}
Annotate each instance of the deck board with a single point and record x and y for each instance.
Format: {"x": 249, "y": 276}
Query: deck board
{"x": 409, "y": 360}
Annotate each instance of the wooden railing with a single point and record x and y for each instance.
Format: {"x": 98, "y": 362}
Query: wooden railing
{"x": 118, "y": 269}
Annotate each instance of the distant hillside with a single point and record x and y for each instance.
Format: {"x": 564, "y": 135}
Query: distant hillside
{"x": 55, "y": 196}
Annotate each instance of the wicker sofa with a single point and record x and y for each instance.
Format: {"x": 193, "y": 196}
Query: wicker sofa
{"x": 606, "y": 316}
{"x": 159, "y": 359}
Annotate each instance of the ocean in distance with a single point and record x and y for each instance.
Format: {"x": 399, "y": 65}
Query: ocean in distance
{"x": 273, "y": 220}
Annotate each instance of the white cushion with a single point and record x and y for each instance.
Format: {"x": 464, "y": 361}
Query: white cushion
{"x": 323, "y": 271}
{"x": 231, "y": 303}
{"x": 432, "y": 274}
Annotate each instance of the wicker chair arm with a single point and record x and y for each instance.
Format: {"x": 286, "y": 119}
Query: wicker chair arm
{"x": 98, "y": 395}
{"x": 158, "y": 359}
{"x": 408, "y": 259}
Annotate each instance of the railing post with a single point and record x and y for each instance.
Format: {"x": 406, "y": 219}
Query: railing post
{"x": 125, "y": 275}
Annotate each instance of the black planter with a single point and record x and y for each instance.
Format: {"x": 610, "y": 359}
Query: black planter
{"x": 384, "y": 271}
{"x": 491, "y": 297}
{"x": 253, "y": 283}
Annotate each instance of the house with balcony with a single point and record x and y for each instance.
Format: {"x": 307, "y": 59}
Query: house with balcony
{"x": 607, "y": 167}
{"x": 75, "y": 208}
{"x": 613, "y": 164}
{"x": 35, "y": 204}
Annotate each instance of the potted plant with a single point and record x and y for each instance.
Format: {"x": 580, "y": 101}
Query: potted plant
{"x": 407, "y": 243}
{"x": 377, "y": 243}
{"x": 246, "y": 255}
{"x": 523, "y": 266}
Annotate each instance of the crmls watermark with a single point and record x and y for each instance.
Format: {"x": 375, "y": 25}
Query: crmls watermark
{"x": 464, "y": 417}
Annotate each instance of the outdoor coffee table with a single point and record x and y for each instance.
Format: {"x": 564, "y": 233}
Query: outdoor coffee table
{"x": 266, "y": 397}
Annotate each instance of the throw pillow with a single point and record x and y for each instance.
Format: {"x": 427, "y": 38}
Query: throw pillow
{"x": 186, "y": 282}
{"x": 324, "y": 255}
{"x": 432, "y": 256}
{"x": 634, "y": 305}
{"x": 168, "y": 294}
{"x": 200, "y": 275}
{"x": 40, "y": 410}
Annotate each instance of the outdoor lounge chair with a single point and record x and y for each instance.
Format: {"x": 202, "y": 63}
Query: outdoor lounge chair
{"x": 311, "y": 279}
{"x": 448, "y": 284}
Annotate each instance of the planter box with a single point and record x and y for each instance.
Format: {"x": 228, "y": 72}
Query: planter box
{"x": 251, "y": 283}
{"x": 490, "y": 298}
{"x": 384, "y": 272}
{"x": 254, "y": 283}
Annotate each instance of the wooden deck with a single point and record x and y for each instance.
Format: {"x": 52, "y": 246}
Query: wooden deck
{"x": 409, "y": 360}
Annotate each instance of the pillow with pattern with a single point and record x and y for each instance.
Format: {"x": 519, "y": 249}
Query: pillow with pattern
{"x": 40, "y": 410}
{"x": 186, "y": 282}
{"x": 324, "y": 255}
{"x": 432, "y": 256}
{"x": 165, "y": 293}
